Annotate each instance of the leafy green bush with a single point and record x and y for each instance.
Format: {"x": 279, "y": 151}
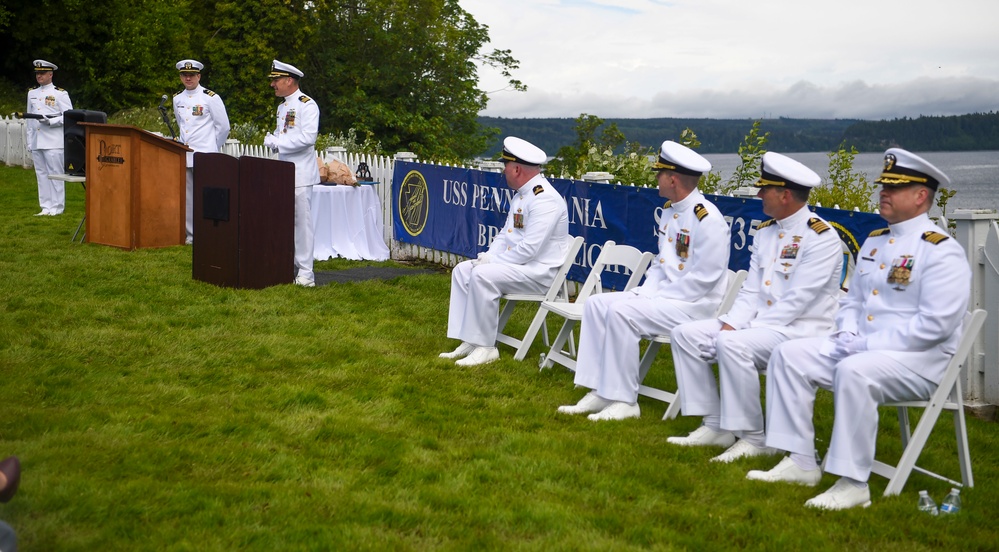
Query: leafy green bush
{"x": 846, "y": 188}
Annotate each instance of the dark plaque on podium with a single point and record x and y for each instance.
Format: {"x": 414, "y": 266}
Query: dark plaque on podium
{"x": 244, "y": 221}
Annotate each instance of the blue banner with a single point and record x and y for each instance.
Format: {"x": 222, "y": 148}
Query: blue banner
{"x": 461, "y": 210}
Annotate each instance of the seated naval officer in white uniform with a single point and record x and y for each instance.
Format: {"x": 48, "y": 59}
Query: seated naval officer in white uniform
{"x": 294, "y": 139}
{"x": 45, "y": 137}
{"x": 791, "y": 291}
{"x": 898, "y": 326}
{"x": 202, "y": 123}
{"x": 523, "y": 257}
{"x": 685, "y": 282}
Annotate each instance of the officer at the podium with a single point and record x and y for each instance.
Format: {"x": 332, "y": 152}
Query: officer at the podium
{"x": 202, "y": 122}
{"x": 294, "y": 139}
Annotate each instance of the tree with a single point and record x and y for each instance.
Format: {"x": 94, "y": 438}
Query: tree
{"x": 405, "y": 71}
{"x": 111, "y": 53}
{"x": 846, "y": 188}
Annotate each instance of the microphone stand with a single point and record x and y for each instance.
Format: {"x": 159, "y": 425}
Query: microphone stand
{"x": 166, "y": 119}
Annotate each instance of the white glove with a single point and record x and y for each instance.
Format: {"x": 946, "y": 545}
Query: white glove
{"x": 55, "y": 121}
{"x": 843, "y": 344}
{"x": 483, "y": 258}
{"x": 45, "y": 121}
{"x": 708, "y": 351}
{"x": 270, "y": 142}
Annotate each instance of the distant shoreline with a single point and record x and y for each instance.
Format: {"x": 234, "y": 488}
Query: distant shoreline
{"x": 971, "y": 132}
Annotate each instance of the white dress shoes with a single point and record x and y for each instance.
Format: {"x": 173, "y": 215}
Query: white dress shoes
{"x": 788, "y": 472}
{"x": 42, "y": 213}
{"x": 743, "y": 449}
{"x": 617, "y": 410}
{"x": 704, "y": 436}
{"x": 462, "y": 351}
{"x": 842, "y": 495}
{"x": 480, "y": 355}
{"x": 590, "y": 403}
{"x": 304, "y": 282}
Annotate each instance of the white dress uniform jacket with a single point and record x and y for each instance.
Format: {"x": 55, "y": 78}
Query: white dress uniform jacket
{"x": 535, "y": 235}
{"x": 201, "y": 120}
{"x": 47, "y": 100}
{"x": 908, "y": 296}
{"x": 685, "y": 282}
{"x": 794, "y": 278}
{"x": 296, "y": 132}
{"x": 524, "y": 258}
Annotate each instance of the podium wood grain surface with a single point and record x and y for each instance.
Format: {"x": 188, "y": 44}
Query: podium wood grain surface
{"x": 136, "y": 190}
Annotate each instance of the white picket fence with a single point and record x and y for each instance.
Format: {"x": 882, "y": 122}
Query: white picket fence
{"x": 976, "y": 230}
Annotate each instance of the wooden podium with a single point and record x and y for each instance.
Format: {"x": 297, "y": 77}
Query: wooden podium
{"x": 244, "y": 221}
{"x": 136, "y": 186}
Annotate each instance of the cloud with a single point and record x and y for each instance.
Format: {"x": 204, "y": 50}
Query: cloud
{"x": 803, "y": 99}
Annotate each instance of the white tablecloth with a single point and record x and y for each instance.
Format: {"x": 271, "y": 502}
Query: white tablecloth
{"x": 348, "y": 223}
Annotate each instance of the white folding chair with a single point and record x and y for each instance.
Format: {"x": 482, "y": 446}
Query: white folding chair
{"x": 557, "y": 292}
{"x": 947, "y": 397}
{"x": 611, "y": 256}
{"x": 735, "y": 280}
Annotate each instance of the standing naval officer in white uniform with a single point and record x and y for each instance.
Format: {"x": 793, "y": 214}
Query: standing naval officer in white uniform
{"x": 791, "y": 291}
{"x": 523, "y": 257}
{"x": 45, "y": 139}
{"x": 202, "y": 122}
{"x": 294, "y": 139}
{"x": 898, "y": 327}
{"x": 686, "y": 282}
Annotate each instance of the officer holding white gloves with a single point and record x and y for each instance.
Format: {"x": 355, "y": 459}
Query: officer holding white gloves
{"x": 523, "y": 257}
{"x": 294, "y": 139}
{"x": 45, "y": 137}
{"x": 685, "y": 282}
{"x": 202, "y": 122}
{"x": 898, "y": 327}
{"x": 791, "y": 291}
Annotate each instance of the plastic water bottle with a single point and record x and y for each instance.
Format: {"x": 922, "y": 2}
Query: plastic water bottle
{"x": 926, "y": 504}
{"x": 951, "y": 504}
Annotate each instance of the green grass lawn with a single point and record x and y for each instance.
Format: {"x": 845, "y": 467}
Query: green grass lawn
{"x": 151, "y": 411}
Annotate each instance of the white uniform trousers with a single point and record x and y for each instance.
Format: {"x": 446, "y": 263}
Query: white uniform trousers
{"x": 473, "y": 315}
{"x": 190, "y": 203}
{"x": 609, "y": 338}
{"x": 741, "y": 355}
{"x": 51, "y": 193}
{"x": 859, "y": 384}
{"x": 305, "y": 243}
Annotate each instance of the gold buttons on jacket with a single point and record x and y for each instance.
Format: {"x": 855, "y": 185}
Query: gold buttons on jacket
{"x": 781, "y": 235}
{"x": 891, "y": 240}
{"x": 870, "y": 317}
{"x": 681, "y": 266}
{"x": 676, "y": 215}
{"x": 661, "y": 261}
{"x": 875, "y": 292}
{"x": 770, "y": 303}
{"x": 767, "y": 283}
{"x": 882, "y": 267}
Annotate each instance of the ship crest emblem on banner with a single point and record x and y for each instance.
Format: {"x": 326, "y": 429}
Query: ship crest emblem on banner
{"x": 414, "y": 204}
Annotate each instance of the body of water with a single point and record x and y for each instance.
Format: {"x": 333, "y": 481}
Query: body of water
{"x": 974, "y": 175}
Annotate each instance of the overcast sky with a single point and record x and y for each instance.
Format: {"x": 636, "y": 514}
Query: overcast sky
{"x": 867, "y": 59}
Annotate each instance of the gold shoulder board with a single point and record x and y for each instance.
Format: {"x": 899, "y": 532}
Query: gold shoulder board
{"x": 878, "y": 232}
{"x": 304, "y": 99}
{"x": 538, "y": 189}
{"x": 701, "y": 211}
{"x": 934, "y": 237}
{"x": 209, "y": 92}
{"x": 765, "y": 223}
{"x": 818, "y": 225}
{"x": 667, "y": 205}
